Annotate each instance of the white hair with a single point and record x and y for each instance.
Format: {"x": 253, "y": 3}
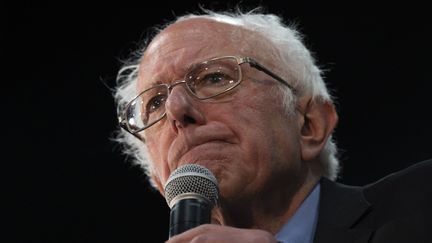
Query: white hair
{"x": 298, "y": 67}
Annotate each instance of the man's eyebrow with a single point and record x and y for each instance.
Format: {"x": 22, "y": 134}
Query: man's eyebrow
{"x": 187, "y": 68}
{"x": 184, "y": 70}
{"x": 151, "y": 84}
{"x": 154, "y": 83}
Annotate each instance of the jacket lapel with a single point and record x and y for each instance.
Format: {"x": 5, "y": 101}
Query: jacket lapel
{"x": 341, "y": 208}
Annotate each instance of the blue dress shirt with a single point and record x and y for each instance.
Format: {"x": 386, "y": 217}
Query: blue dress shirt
{"x": 301, "y": 227}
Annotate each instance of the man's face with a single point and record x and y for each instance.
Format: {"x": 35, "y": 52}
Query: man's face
{"x": 245, "y": 137}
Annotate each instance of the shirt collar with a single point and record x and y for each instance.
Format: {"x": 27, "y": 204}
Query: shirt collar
{"x": 301, "y": 226}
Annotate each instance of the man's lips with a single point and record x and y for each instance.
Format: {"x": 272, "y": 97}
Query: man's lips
{"x": 207, "y": 150}
{"x": 191, "y": 148}
{"x": 191, "y": 153}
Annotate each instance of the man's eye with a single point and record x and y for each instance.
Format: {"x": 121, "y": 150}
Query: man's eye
{"x": 217, "y": 78}
{"x": 155, "y": 103}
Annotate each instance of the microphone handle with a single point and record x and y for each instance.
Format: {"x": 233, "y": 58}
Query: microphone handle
{"x": 188, "y": 213}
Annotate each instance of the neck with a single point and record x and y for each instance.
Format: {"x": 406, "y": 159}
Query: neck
{"x": 271, "y": 208}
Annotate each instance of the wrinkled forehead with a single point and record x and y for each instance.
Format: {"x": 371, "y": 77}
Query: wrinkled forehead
{"x": 190, "y": 41}
{"x": 197, "y": 33}
{"x": 195, "y": 39}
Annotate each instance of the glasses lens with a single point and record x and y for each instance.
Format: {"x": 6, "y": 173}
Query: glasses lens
{"x": 147, "y": 108}
{"x": 214, "y": 77}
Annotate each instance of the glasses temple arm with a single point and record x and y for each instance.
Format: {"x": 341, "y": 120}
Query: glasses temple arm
{"x": 256, "y": 65}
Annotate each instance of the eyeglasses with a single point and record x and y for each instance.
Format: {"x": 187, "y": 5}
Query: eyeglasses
{"x": 204, "y": 81}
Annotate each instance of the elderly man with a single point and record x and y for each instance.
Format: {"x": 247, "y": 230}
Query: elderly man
{"x": 240, "y": 95}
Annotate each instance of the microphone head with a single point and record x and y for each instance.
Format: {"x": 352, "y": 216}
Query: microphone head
{"x": 191, "y": 181}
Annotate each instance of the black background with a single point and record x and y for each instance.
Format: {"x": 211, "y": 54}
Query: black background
{"x": 65, "y": 180}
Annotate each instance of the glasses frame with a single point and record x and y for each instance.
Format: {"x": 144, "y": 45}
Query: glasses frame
{"x": 240, "y": 60}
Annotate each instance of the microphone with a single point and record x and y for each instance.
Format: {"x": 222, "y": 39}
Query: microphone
{"x": 191, "y": 192}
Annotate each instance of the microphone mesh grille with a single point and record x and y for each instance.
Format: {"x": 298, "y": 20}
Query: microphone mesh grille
{"x": 192, "y": 178}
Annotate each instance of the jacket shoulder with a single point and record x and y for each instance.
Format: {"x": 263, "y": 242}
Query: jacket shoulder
{"x": 413, "y": 181}
{"x": 403, "y": 195}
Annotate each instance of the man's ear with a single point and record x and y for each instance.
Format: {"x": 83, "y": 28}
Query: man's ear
{"x": 317, "y": 121}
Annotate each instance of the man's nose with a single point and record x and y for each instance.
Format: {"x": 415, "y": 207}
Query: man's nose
{"x": 182, "y": 109}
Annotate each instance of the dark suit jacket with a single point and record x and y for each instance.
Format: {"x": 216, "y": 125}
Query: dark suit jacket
{"x": 397, "y": 208}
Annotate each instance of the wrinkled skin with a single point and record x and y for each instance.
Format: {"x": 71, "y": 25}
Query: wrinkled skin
{"x": 262, "y": 156}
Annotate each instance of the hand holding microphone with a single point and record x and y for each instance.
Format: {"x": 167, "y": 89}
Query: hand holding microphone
{"x": 191, "y": 192}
